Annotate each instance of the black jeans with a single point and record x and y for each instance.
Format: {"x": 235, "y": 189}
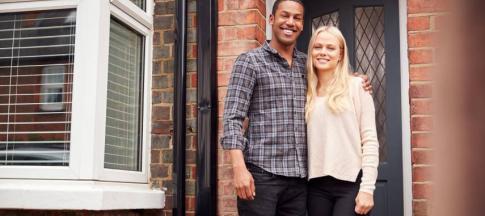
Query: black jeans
{"x": 275, "y": 195}
{"x": 328, "y": 196}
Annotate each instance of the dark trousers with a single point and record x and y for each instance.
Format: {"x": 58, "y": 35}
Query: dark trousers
{"x": 275, "y": 195}
{"x": 328, "y": 196}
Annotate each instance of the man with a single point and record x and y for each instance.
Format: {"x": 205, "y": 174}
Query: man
{"x": 268, "y": 85}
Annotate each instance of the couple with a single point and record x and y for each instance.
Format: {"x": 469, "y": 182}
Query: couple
{"x": 311, "y": 144}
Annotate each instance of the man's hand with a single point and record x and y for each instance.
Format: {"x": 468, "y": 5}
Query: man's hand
{"x": 244, "y": 183}
{"x": 243, "y": 180}
{"x": 366, "y": 83}
{"x": 364, "y": 203}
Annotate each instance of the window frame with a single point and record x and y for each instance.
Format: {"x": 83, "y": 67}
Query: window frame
{"x": 89, "y": 95}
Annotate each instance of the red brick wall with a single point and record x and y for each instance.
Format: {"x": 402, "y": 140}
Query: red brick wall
{"x": 162, "y": 102}
{"x": 241, "y": 27}
{"x": 423, "y": 22}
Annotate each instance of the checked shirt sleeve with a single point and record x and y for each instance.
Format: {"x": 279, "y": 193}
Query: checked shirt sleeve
{"x": 237, "y": 101}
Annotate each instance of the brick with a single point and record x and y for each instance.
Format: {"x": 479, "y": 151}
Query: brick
{"x": 160, "y": 142}
{"x": 240, "y": 17}
{"x": 420, "y": 208}
{"x": 168, "y": 66}
{"x": 425, "y": 6}
{"x": 164, "y": 22}
{"x": 421, "y": 56}
{"x": 421, "y": 123}
{"x": 418, "y": 23}
{"x": 155, "y": 156}
{"x": 421, "y": 140}
{"x": 156, "y": 38}
{"x": 221, "y": 93}
{"x": 420, "y": 39}
{"x": 192, "y": 6}
{"x": 162, "y": 82}
{"x": 225, "y": 172}
{"x": 162, "y": 52}
{"x": 234, "y": 48}
{"x": 420, "y": 73}
{"x": 159, "y": 171}
{"x": 190, "y": 187}
{"x": 191, "y": 96}
{"x": 422, "y": 191}
{"x": 422, "y": 174}
{"x": 161, "y": 113}
{"x": 220, "y": 5}
{"x": 424, "y": 157}
{"x": 420, "y": 90}
{"x": 193, "y": 80}
{"x": 192, "y": 35}
{"x": 421, "y": 107}
{"x": 223, "y": 79}
{"x": 162, "y": 127}
{"x": 156, "y": 68}
{"x": 162, "y": 8}
{"x": 168, "y": 37}
{"x": 167, "y": 156}
{"x": 191, "y": 156}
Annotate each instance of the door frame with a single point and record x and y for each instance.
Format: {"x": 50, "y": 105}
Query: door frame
{"x": 405, "y": 111}
{"x": 405, "y": 103}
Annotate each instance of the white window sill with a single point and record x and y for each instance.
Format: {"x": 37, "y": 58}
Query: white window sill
{"x": 76, "y": 195}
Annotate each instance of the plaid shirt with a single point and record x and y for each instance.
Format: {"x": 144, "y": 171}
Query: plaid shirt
{"x": 264, "y": 88}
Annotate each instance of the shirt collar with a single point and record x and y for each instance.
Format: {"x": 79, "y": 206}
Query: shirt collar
{"x": 272, "y": 50}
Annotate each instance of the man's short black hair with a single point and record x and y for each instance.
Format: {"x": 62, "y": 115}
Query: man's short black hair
{"x": 278, "y": 2}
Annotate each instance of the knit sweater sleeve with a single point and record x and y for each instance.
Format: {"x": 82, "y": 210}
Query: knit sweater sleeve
{"x": 368, "y": 136}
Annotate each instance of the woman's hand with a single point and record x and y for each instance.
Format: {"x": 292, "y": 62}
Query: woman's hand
{"x": 364, "y": 203}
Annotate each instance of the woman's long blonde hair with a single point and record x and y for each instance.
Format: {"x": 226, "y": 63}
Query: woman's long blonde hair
{"x": 337, "y": 90}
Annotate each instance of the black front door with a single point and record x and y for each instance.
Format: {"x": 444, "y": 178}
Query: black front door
{"x": 371, "y": 28}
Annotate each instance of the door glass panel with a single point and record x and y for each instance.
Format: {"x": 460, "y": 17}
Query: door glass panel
{"x": 370, "y": 59}
{"x": 326, "y": 19}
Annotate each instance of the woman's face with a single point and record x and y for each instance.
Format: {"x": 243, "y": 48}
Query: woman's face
{"x": 326, "y": 52}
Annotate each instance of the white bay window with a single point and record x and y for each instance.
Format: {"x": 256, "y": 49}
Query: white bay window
{"x": 75, "y": 104}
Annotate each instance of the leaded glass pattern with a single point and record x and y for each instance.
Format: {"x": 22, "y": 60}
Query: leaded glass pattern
{"x": 326, "y": 19}
{"x": 370, "y": 59}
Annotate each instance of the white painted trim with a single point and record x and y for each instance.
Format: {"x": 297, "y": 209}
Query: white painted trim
{"x": 89, "y": 65}
{"x": 145, "y": 18}
{"x": 22, "y": 6}
{"x": 405, "y": 112}
{"x": 122, "y": 175}
{"x": 269, "y": 7}
{"x": 77, "y": 195}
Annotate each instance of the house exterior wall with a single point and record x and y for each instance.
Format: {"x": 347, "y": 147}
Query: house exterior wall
{"x": 241, "y": 28}
{"x": 163, "y": 101}
{"x": 424, "y": 21}
{"x": 237, "y": 20}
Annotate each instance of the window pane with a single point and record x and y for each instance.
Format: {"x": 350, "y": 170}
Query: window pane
{"x": 124, "y": 105}
{"x": 370, "y": 58}
{"x": 326, "y": 19}
{"x": 139, "y": 3}
{"x": 36, "y": 70}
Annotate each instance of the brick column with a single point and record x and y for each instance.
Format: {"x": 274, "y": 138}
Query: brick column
{"x": 241, "y": 27}
{"x": 423, "y": 23}
{"x": 162, "y": 101}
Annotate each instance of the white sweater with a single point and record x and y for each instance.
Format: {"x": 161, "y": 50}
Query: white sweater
{"x": 340, "y": 145}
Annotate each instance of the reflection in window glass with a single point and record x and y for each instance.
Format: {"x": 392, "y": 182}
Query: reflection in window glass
{"x": 124, "y": 99}
{"x": 140, "y": 3}
{"x": 36, "y": 70}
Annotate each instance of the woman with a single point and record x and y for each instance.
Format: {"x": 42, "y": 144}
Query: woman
{"x": 343, "y": 150}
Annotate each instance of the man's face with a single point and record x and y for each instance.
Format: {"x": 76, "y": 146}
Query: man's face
{"x": 287, "y": 22}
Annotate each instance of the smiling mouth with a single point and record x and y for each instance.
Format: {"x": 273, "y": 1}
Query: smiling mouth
{"x": 288, "y": 32}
